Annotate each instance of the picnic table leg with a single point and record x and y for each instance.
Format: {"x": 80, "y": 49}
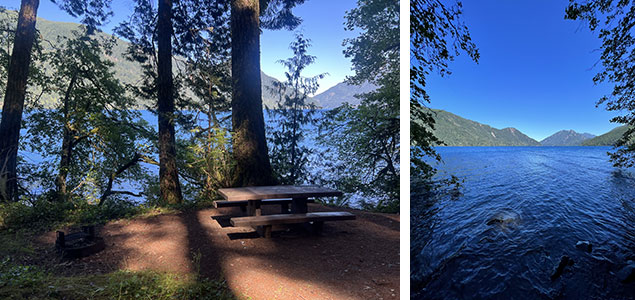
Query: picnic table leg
{"x": 253, "y": 208}
{"x": 284, "y": 208}
{"x": 298, "y": 206}
{"x": 267, "y": 231}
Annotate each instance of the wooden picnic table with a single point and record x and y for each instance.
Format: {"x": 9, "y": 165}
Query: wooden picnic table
{"x": 299, "y": 196}
{"x": 255, "y": 194}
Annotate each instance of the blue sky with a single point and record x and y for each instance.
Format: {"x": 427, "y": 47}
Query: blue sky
{"x": 323, "y": 24}
{"x": 535, "y": 71}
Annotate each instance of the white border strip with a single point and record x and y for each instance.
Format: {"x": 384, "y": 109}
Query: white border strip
{"x": 404, "y": 126}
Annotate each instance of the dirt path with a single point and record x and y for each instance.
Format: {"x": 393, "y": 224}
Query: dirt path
{"x": 350, "y": 260}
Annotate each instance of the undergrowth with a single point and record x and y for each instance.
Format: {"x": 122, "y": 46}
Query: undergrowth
{"x": 45, "y": 215}
{"x": 19, "y": 280}
{"x": 31, "y": 282}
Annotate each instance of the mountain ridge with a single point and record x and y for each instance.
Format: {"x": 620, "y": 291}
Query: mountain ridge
{"x": 342, "y": 93}
{"x": 130, "y": 72}
{"x": 566, "y": 138}
{"x": 607, "y": 139}
{"x": 454, "y": 130}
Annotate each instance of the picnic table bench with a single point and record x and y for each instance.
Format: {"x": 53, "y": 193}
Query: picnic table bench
{"x": 297, "y": 196}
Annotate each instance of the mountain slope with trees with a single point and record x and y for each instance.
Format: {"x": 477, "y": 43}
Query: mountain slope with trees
{"x": 607, "y": 139}
{"x": 457, "y": 131}
{"x": 566, "y": 138}
{"x": 340, "y": 93}
{"x": 130, "y": 72}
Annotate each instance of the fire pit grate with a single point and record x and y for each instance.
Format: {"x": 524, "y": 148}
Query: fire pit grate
{"x": 79, "y": 244}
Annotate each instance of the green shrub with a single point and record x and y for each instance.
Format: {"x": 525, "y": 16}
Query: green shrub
{"x": 45, "y": 215}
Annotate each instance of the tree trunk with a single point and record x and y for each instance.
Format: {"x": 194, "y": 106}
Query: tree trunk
{"x": 249, "y": 143}
{"x": 67, "y": 144}
{"x": 14, "y": 99}
{"x": 168, "y": 173}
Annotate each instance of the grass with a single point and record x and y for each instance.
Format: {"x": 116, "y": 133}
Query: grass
{"x": 29, "y": 282}
{"x": 22, "y": 281}
{"x": 19, "y": 280}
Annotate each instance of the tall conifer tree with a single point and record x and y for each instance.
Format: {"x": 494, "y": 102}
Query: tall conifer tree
{"x": 249, "y": 143}
{"x": 14, "y": 99}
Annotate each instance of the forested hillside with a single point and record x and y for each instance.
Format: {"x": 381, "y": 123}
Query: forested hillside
{"x": 52, "y": 33}
{"x": 566, "y": 138}
{"x": 457, "y": 131}
{"x": 607, "y": 139}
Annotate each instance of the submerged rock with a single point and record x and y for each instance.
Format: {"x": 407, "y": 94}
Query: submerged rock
{"x": 503, "y": 217}
{"x": 494, "y": 221}
{"x": 584, "y": 246}
{"x": 564, "y": 261}
{"x": 627, "y": 274}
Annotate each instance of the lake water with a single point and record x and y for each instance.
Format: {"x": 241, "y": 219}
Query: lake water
{"x": 539, "y": 202}
{"x": 319, "y": 159}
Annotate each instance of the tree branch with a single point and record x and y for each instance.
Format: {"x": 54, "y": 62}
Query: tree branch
{"x": 136, "y": 159}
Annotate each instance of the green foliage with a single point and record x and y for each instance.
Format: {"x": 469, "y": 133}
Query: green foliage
{"x": 46, "y": 215}
{"x": 208, "y": 164}
{"x": 437, "y": 35}
{"x": 94, "y": 120}
{"x": 7, "y": 22}
{"x": 51, "y": 36}
{"x": 93, "y": 13}
{"x": 278, "y": 14}
{"x": 614, "y": 21}
{"x": 366, "y": 138}
{"x": 456, "y": 131}
{"x": 22, "y": 282}
{"x": 16, "y": 278}
{"x": 607, "y": 139}
{"x": 129, "y": 71}
{"x": 292, "y": 112}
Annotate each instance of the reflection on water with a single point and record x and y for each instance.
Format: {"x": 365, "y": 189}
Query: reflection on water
{"x": 520, "y": 210}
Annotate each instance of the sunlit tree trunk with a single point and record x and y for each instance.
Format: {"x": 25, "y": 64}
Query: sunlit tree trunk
{"x": 168, "y": 173}
{"x": 14, "y": 99}
{"x": 249, "y": 143}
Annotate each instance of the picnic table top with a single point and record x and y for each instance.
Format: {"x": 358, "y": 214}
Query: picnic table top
{"x": 276, "y": 191}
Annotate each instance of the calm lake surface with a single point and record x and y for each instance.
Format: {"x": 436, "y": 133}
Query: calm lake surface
{"x": 539, "y": 202}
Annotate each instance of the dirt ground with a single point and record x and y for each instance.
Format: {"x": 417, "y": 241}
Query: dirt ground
{"x": 350, "y": 260}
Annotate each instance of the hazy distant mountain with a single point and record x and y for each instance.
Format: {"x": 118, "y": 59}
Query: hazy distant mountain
{"x": 566, "y": 138}
{"x": 607, "y": 139}
{"x": 269, "y": 99}
{"x": 340, "y": 93}
{"x": 458, "y": 131}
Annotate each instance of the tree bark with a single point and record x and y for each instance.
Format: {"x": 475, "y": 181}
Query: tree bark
{"x": 67, "y": 143}
{"x": 14, "y": 99}
{"x": 168, "y": 173}
{"x": 249, "y": 143}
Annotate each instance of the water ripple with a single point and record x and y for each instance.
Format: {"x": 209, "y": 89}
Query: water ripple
{"x": 521, "y": 210}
